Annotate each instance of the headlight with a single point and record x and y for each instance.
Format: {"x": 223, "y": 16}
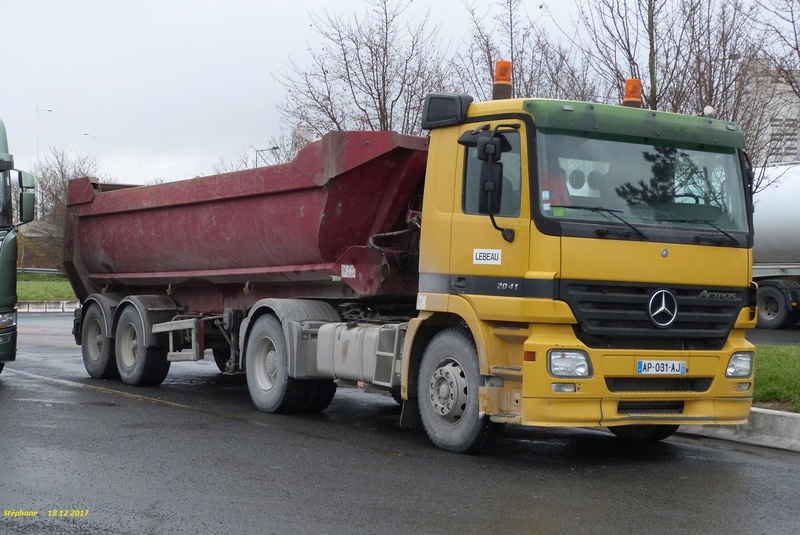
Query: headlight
{"x": 568, "y": 363}
{"x": 9, "y": 319}
{"x": 740, "y": 365}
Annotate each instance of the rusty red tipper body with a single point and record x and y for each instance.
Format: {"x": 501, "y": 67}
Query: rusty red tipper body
{"x": 228, "y": 240}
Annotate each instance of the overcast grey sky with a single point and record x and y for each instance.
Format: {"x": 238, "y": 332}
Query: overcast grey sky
{"x": 160, "y": 89}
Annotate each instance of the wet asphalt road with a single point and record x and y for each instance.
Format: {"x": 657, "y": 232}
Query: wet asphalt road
{"x": 193, "y": 456}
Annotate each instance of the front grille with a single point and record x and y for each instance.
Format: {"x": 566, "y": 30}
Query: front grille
{"x": 615, "y": 315}
{"x": 650, "y": 407}
{"x": 636, "y": 384}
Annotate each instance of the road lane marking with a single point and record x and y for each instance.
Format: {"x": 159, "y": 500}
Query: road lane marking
{"x": 96, "y": 388}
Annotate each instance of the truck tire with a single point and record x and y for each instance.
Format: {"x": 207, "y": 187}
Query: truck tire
{"x": 772, "y": 310}
{"x": 2, "y": 365}
{"x": 138, "y": 365}
{"x": 448, "y": 382}
{"x": 320, "y": 393}
{"x": 643, "y": 433}
{"x": 221, "y": 357}
{"x": 267, "y": 370}
{"x": 97, "y": 348}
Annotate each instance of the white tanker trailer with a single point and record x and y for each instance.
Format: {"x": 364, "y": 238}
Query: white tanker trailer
{"x": 776, "y": 248}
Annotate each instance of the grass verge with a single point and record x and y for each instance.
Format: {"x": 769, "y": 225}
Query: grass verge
{"x": 37, "y": 287}
{"x": 777, "y": 378}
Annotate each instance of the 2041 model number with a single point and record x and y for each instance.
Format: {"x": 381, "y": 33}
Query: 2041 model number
{"x": 661, "y": 367}
{"x": 513, "y": 286}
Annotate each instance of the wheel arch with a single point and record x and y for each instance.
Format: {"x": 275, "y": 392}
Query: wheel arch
{"x": 424, "y": 327}
{"x": 107, "y": 303}
{"x": 285, "y": 310}
{"x": 152, "y": 309}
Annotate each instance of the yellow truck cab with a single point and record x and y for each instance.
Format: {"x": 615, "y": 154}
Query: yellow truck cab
{"x": 599, "y": 259}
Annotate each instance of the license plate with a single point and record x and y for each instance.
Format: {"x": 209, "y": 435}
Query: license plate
{"x": 661, "y": 367}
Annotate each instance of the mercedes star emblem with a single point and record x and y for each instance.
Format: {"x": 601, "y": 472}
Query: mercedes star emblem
{"x": 663, "y": 308}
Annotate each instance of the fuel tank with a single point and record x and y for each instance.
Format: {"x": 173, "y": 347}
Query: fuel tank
{"x": 299, "y": 229}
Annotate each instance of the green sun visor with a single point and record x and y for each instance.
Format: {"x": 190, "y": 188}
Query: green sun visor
{"x": 619, "y": 122}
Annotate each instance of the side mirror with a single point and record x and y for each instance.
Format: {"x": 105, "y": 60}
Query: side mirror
{"x": 491, "y": 187}
{"x": 27, "y": 198}
{"x": 6, "y": 162}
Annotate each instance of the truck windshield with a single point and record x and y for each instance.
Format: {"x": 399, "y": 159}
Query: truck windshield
{"x": 602, "y": 181}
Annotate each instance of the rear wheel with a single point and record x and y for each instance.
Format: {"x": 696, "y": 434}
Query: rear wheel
{"x": 449, "y": 380}
{"x": 267, "y": 370}
{"x": 96, "y": 346}
{"x": 320, "y": 393}
{"x": 138, "y": 365}
{"x": 643, "y": 433}
{"x": 773, "y": 309}
{"x": 221, "y": 357}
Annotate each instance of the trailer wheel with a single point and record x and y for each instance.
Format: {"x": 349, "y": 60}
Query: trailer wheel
{"x": 643, "y": 433}
{"x": 772, "y": 312}
{"x": 267, "y": 370}
{"x": 449, "y": 379}
{"x": 96, "y": 346}
{"x": 138, "y": 365}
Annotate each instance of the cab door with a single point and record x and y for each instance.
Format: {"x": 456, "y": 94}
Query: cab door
{"x": 485, "y": 265}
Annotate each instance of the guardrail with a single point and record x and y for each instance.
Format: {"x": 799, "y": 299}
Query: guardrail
{"x": 41, "y": 271}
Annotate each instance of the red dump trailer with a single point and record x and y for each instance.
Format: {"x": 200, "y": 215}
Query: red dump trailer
{"x": 282, "y": 231}
{"x": 165, "y": 272}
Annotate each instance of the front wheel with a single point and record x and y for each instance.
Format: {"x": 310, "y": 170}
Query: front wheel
{"x": 449, "y": 382}
{"x": 643, "y": 433}
{"x": 138, "y": 365}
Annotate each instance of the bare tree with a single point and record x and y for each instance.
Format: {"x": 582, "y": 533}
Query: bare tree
{"x": 542, "y": 66}
{"x": 781, "y": 21}
{"x": 725, "y": 63}
{"x": 690, "y": 54}
{"x": 245, "y": 160}
{"x": 52, "y": 173}
{"x": 370, "y": 73}
{"x": 632, "y": 39}
{"x": 280, "y": 149}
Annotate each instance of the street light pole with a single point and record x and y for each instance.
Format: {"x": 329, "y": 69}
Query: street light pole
{"x": 95, "y": 145}
{"x": 259, "y": 151}
{"x": 37, "y": 128}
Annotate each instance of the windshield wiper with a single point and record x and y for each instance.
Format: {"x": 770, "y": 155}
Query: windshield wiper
{"x": 713, "y": 238}
{"x": 602, "y": 232}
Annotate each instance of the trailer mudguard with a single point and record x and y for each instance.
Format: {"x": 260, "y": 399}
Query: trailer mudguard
{"x": 107, "y": 303}
{"x": 152, "y": 309}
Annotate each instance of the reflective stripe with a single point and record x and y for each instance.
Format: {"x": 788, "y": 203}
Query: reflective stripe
{"x": 476, "y": 285}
